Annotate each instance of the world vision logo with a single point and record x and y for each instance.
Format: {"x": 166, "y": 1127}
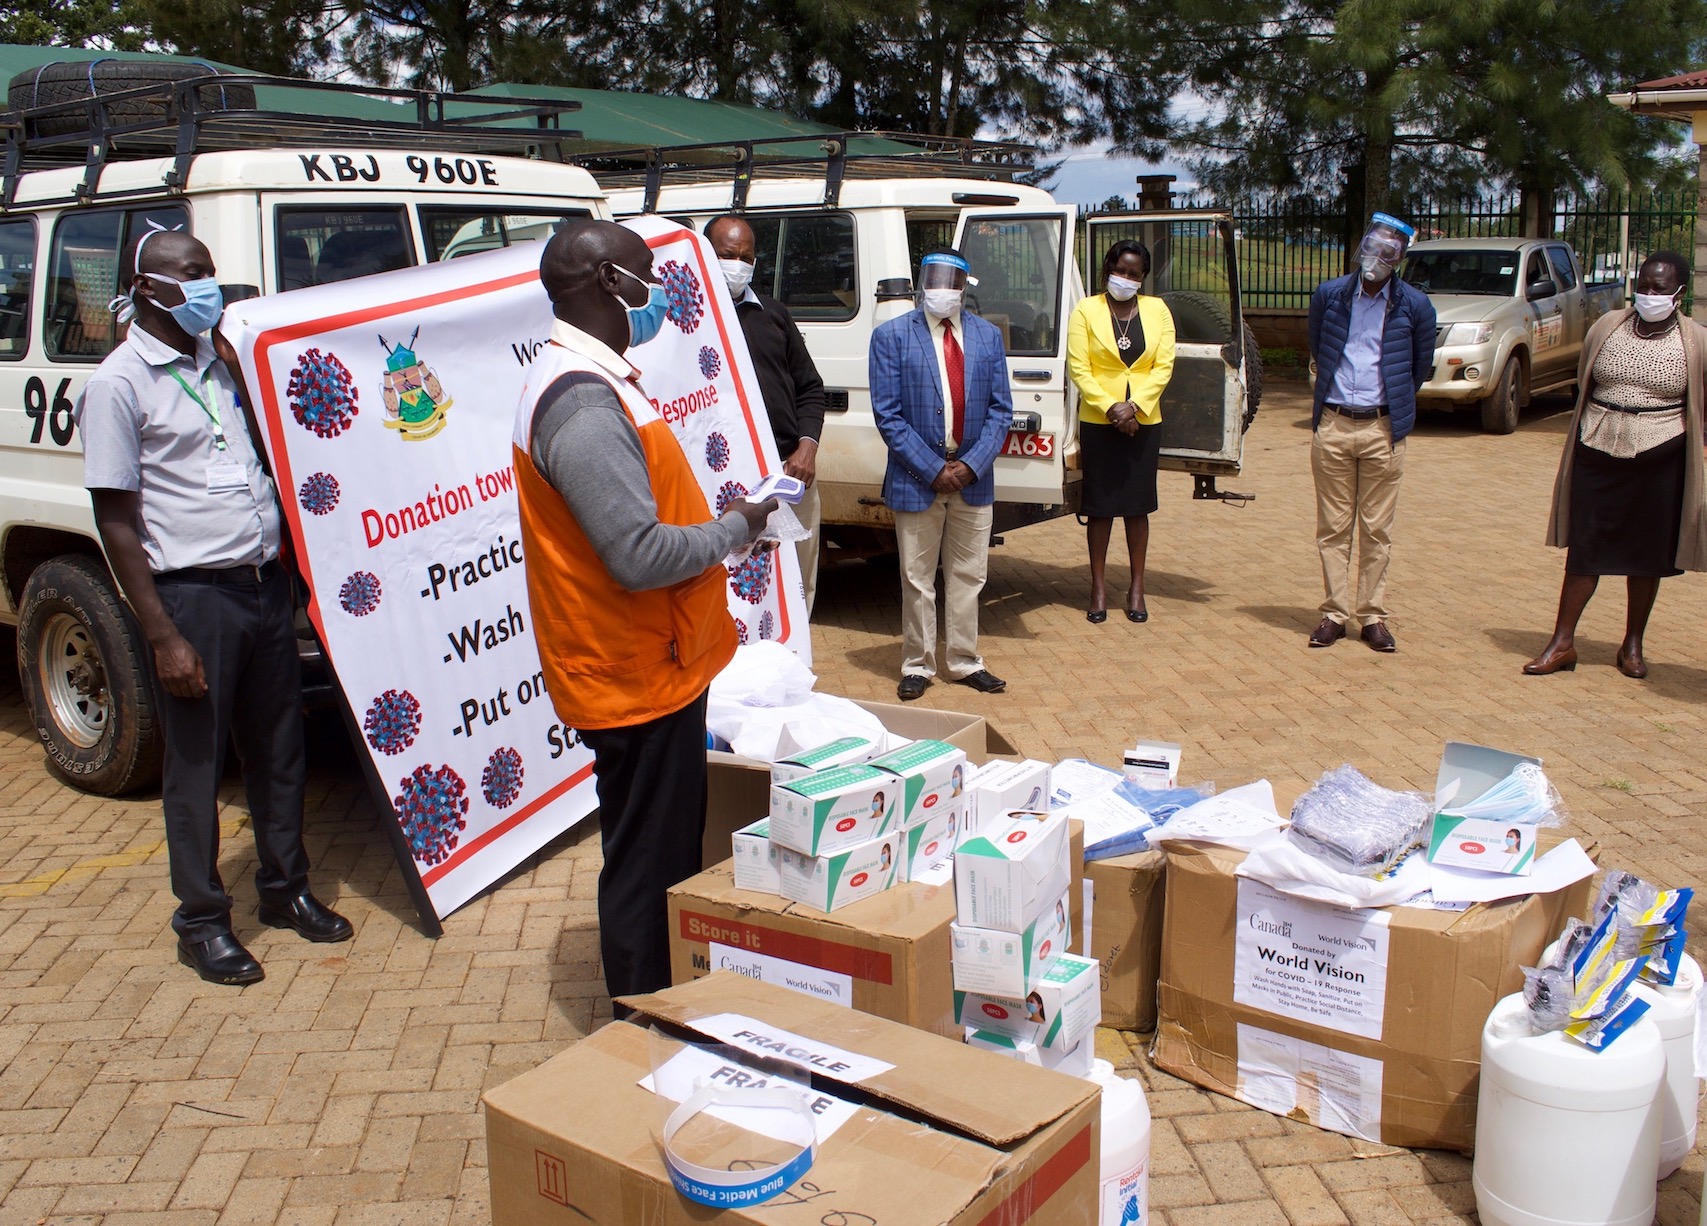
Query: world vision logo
{"x": 415, "y": 400}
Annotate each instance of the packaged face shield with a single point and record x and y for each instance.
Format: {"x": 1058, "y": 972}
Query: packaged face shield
{"x": 1354, "y": 825}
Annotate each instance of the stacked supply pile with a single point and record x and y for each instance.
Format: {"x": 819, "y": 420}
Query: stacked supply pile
{"x": 1016, "y": 988}
{"x": 932, "y": 801}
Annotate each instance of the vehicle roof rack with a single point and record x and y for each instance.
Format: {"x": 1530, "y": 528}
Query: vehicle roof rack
{"x": 180, "y": 118}
{"x": 836, "y": 156}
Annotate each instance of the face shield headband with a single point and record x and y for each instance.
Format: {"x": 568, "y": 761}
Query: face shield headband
{"x": 940, "y": 270}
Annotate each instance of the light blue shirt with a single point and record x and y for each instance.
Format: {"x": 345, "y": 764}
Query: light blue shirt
{"x": 1357, "y": 381}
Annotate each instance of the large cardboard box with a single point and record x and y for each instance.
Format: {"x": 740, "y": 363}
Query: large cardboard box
{"x": 887, "y": 955}
{"x": 1126, "y": 935}
{"x": 1366, "y": 1022}
{"x": 943, "y": 1134}
{"x": 739, "y": 789}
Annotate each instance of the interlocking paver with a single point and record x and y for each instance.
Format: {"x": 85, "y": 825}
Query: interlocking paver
{"x": 345, "y": 1088}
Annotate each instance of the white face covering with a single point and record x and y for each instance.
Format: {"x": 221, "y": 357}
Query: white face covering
{"x": 738, "y": 274}
{"x": 1655, "y": 307}
{"x": 1122, "y": 289}
{"x": 943, "y": 302}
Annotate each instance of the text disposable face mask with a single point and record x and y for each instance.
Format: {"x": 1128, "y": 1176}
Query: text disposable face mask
{"x": 644, "y": 322}
{"x": 1122, "y": 289}
{"x": 738, "y": 275}
{"x": 1655, "y": 307}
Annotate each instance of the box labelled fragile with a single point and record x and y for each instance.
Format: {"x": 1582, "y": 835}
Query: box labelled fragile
{"x": 835, "y": 809}
{"x": 932, "y": 775}
{"x": 1008, "y": 873}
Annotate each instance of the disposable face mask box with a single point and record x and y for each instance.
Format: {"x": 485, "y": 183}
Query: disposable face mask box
{"x": 887, "y": 955}
{"x": 1007, "y": 873}
{"x": 1466, "y": 772}
{"x": 833, "y": 810}
{"x": 794, "y": 762}
{"x": 1126, "y": 935}
{"x": 1074, "y": 1061}
{"x": 755, "y": 859}
{"x": 573, "y": 1139}
{"x": 932, "y": 775}
{"x": 1063, "y": 1008}
{"x": 1153, "y": 764}
{"x": 738, "y": 789}
{"x": 931, "y": 842}
{"x": 830, "y": 882}
{"x": 1003, "y": 963}
{"x": 999, "y": 788}
{"x": 1365, "y": 1022}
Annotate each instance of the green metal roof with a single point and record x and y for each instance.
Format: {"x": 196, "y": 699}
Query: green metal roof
{"x": 633, "y": 120}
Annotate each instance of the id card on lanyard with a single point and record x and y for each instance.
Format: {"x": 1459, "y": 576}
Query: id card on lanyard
{"x": 225, "y": 473}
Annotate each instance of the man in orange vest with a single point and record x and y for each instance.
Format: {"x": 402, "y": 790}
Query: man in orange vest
{"x": 626, "y": 582}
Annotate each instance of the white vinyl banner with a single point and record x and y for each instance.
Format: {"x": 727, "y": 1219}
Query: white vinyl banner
{"x": 387, "y": 405}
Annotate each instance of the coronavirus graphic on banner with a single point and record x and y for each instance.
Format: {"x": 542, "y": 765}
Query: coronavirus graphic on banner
{"x": 501, "y": 781}
{"x": 687, "y": 304}
{"x": 752, "y": 579}
{"x": 767, "y": 625}
{"x": 360, "y": 594}
{"x": 319, "y": 494}
{"x": 392, "y": 721}
{"x": 432, "y": 807}
{"x": 727, "y": 493}
{"x": 322, "y": 394}
{"x": 709, "y": 363}
{"x": 716, "y": 452}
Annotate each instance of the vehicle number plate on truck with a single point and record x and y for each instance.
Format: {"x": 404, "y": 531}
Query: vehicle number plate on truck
{"x": 1039, "y": 446}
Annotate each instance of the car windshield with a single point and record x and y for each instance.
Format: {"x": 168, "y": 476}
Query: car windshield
{"x": 1463, "y": 272}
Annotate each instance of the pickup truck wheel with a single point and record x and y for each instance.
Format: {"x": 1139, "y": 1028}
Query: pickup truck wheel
{"x": 88, "y": 679}
{"x": 1499, "y": 408}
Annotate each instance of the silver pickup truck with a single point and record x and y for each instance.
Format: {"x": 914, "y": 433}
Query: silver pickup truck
{"x": 1512, "y": 314}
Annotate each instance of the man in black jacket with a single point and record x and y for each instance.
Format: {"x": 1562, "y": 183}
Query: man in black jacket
{"x": 789, "y": 382}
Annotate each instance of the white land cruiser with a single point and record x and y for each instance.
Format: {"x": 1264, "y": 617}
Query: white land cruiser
{"x": 363, "y": 197}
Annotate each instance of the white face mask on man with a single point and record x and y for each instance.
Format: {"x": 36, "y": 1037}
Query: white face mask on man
{"x": 738, "y": 274}
{"x": 1655, "y": 307}
{"x": 944, "y": 302}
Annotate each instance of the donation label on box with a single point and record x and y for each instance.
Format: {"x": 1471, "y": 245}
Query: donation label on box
{"x": 1310, "y": 961}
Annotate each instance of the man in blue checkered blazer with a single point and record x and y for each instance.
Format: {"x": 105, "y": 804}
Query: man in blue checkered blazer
{"x": 940, "y": 396}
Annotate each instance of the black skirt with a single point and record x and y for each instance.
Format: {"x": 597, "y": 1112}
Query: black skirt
{"x": 1626, "y": 515}
{"x": 1119, "y": 469}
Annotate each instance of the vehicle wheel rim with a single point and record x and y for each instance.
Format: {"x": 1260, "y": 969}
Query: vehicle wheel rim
{"x": 75, "y": 680}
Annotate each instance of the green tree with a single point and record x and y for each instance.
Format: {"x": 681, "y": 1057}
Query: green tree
{"x": 285, "y": 37}
{"x": 73, "y": 23}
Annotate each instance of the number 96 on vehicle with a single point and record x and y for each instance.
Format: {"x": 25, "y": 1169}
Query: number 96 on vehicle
{"x": 53, "y": 418}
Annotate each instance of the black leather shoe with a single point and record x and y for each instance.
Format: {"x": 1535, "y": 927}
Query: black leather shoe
{"x": 309, "y": 916}
{"x": 221, "y": 959}
{"x": 912, "y": 686}
{"x": 1327, "y": 633}
{"x": 984, "y": 681}
{"x": 1379, "y": 637}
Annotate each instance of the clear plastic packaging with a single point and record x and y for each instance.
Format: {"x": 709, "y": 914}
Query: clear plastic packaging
{"x": 1524, "y": 797}
{"x": 1356, "y": 825}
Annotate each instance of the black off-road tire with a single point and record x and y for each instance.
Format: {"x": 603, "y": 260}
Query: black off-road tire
{"x": 1204, "y": 319}
{"x": 1501, "y": 406}
{"x": 88, "y": 679}
{"x": 68, "y": 82}
{"x": 1253, "y": 375}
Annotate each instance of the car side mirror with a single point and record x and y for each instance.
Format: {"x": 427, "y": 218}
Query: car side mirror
{"x": 1540, "y": 289}
{"x": 894, "y": 289}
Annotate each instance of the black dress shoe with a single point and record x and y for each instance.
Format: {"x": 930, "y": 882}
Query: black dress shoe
{"x": 1327, "y": 633}
{"x": 221, "y": 959}
{"x": 1379, "y": 637}
{"x": 1137, "y": 615}
{"x": 984, "y": 681}
{"x": 912, "y": 686}
{"x": 309, "y": 916}
{"x": 1096, "y": 617}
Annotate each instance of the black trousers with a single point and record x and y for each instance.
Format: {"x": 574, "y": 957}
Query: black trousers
{"x": 245, "y": 637}
{"x": 652, "y": 792}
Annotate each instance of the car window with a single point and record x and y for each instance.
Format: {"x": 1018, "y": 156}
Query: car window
{"x": 317, "y": 246}
{"x": 17, "y": 275}
{"x": 1465, "y": 271}
{"x": 1537, "y": 269}
{"x": 1017, "y": 261}
{"x": 923, "y": 233}
{"x": 806, "y": 262}
{"x": 1188, "y": 271}
{"x": 1563, "y": 273}
{"x": 84, "y": 275}
{"x": 451, "y": 232}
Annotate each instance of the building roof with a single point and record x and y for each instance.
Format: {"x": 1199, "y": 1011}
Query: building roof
{"x": 1683, "y": 96}
{"x": 1684, "y": 80}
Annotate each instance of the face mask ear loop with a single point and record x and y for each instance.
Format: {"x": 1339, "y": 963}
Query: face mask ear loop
{"x": 123, "y": 306}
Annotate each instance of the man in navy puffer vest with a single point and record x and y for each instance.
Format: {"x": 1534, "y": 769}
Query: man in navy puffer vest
{"x": 1372, "y": 339}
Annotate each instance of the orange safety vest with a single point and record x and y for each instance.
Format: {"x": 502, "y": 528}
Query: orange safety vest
{"x": 613, "y": 658}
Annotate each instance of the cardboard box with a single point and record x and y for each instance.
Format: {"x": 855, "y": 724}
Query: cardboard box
{"x": 887, "y": 955}
{"x": 1002, "y": 787}
{"x": 1074, "y": 1061}
{"x": 1366, "y": 1022}
{"x": 796, "y": 762}
{"x": 933, "y": 774}
{"x": 1008, "y": 873}
{"x": 1064, "y": 1007}
{"x": 831, "y": 882}
{"x": 1004, "y": 963}
{"x": 1126, "y": 935}
{"x": 738, "y": 789}
{"x": 835, "y": 809}
{"x": 932, "y": 842}
{"x": 755, "y": 858}
{"x": 942, "y": 1133}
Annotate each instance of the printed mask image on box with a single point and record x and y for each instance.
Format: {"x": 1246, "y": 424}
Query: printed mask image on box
{"x": 932, "y": 775}
{"x": 835, "y": 809}
{"x": 1011, "y": 870}
{"x": 1063, "y": 1008}
{"x": 999, "y": 788}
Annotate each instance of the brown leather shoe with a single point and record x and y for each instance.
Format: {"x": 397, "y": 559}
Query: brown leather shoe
{"x": 1379, "y": 637}
{"x": 1327, "y": 633}
{"x": 1549, "y": 662}
{"x": 1631, "y": 665}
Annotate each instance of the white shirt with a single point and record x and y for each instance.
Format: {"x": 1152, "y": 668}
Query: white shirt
{"x": 936, "y": 323}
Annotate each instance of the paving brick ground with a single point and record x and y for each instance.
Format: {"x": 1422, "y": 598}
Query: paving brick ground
{"x": 345, "y": 1088}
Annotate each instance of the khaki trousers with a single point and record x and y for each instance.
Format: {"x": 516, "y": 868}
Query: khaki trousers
{"x": 958, "y": 536}
{"x": 809, "y": 513}
{"x": 1357, "y": 467}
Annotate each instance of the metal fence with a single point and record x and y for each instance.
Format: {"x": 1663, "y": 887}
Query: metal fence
{"x": 1288, "y": 248}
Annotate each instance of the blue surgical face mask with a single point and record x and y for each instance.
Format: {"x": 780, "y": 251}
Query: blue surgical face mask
{"x": 202, "y": 305}
{"x": 645, "y": 322}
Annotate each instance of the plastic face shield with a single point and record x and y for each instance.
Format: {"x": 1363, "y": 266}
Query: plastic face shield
{"x": 1385, "y": 240}
{"x": 943, "y": 271}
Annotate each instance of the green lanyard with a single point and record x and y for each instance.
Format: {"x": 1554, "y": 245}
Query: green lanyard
{"x": 210, "y": 410}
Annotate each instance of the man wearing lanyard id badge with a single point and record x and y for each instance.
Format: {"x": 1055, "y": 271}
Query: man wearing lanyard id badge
{"x": 191, "y": 527}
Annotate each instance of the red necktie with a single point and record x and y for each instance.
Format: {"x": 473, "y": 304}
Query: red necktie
{"x": 955, "y": 361}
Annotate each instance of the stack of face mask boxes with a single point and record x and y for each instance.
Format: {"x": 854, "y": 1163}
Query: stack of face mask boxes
{"x": 844, "y": 825}
{"x": 1016, "y": 988}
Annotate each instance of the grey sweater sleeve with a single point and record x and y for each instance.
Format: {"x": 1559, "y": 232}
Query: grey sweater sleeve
{"x": 590, "y": 452}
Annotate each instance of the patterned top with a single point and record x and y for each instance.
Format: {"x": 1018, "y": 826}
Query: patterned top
{"x": 1638, "y": 373}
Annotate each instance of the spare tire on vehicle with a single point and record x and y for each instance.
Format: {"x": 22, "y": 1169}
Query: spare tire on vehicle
{"x": 1204, "y": 319}
{"x": 70, "y": 81}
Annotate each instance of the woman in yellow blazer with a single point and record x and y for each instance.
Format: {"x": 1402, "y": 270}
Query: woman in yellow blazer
{"x": 1120, "y": 355}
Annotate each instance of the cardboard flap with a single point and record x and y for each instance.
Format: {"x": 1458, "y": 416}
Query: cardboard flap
{"x": 996, "y": 1101}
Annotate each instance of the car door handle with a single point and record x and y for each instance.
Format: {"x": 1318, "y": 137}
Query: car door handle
{"x": 1033, "y": 376}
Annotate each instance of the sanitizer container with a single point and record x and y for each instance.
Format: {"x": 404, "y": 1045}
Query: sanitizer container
{"x": 1125, "y": 1196}
{"x": 1566, "y": 1136}
{"x": 1673, "y": 1011}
